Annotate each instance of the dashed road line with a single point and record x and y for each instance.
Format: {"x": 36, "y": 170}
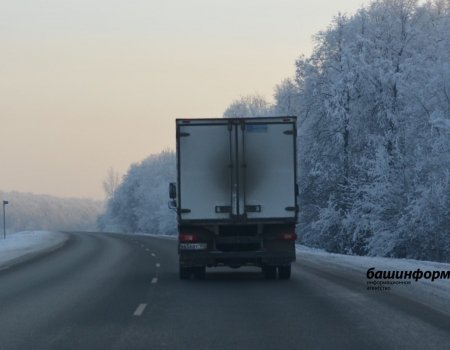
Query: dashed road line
{"x": 154, "y": 280}
{"x": 158, "y": 265}
{"x": 140, "y": 309}
{"x": 153, "y": 254}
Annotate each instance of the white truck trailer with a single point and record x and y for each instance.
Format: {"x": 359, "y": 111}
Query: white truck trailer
{"x": 236, "y": 194}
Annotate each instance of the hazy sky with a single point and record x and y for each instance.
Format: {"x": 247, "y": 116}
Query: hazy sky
{"x": 91, "y": 84}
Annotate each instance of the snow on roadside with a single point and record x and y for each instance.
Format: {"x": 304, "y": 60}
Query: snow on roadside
{"x": 169, "y": 237}
{"x": 156, "y": 235}
{"x": 433, "y": 293}
{"x": 26, "y": 243}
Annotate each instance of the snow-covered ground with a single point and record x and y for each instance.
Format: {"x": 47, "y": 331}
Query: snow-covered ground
{"x": 432, "y": 293}
{"x": 169, "y": 237}
{"x": 21, "y": 245}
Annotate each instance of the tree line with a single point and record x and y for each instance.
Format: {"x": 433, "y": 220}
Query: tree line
{"x": 28, "y": 211}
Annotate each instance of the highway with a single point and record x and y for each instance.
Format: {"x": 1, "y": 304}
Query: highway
{"x": 105, "y": 291}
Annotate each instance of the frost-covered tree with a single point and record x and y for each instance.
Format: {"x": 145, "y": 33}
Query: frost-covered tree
{"x": 139, "y": 203}
{"x": 110, "y": 183}
{"x": 374, "y": 136}
{"x": 248, "y": 106}
{"x": 287, "y": 98}
{"x": 28, "y": 211}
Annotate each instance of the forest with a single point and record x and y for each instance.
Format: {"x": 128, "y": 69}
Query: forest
{"x": 373, "y": 107}
{"x": 28, "y": 211}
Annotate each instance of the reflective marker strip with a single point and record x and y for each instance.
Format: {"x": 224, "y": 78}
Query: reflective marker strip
{"x": 140, "y": 309}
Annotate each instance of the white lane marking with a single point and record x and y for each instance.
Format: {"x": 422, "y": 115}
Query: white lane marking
{"x": 158, "y": 265}
{"x": 147, "y": 249}
{"x": 154, "y": 280}
{"x": 140, "y": 309}
{"x": 153, "y": 254}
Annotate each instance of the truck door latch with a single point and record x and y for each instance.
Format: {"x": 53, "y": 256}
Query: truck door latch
{"x": 253, "y": 208}
{"x": 223, "y": 209}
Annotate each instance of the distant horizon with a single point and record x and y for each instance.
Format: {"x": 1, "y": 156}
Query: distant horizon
{"x": 3, "y": 197}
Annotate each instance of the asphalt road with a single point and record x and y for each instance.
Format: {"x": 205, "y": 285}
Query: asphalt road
{"x": 123, "y": 292}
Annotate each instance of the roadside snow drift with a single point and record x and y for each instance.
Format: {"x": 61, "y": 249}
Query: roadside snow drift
{"x": 21, "y": 244}
{"x": 435, "y": 294}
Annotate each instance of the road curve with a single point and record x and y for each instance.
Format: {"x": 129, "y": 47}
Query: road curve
{"x": 104, "y": 291}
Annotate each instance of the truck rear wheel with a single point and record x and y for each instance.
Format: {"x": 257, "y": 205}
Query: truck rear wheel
{"x": 200, "y": 272}
{"x": 284, "y": 272}
{"x": 270, "y": 272}
{"x": 185, "y": 272}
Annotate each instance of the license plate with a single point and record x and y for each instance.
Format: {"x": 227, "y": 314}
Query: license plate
{"x": 193, "y": 246}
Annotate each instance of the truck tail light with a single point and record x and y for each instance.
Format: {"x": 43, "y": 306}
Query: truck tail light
{"x": 289, "y": 236}
{"x": 187, "y": 237}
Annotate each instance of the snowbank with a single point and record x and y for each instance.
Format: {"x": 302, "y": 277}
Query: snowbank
{"x": 22, "y": 245}
{"x": 432, "y": 293}
{"x": 169, "y": 237}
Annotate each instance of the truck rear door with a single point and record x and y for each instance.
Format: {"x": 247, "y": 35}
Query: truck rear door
{"x": 269, "y": 178}
{"x": 204, "y": 170}
{"x": 236, "y": 169}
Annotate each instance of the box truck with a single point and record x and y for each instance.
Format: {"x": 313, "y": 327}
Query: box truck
{"x": 236, "y": 194}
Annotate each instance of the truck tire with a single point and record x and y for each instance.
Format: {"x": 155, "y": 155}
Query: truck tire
{"x": 185, "y": 272}
{"x": 270, "y": 272}
{"x": 284, "y": 272}
{"x": 200, "y": 272}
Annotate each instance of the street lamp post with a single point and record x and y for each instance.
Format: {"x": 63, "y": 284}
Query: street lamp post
{"x": 4, "y": 219}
